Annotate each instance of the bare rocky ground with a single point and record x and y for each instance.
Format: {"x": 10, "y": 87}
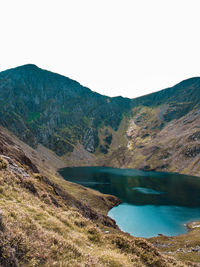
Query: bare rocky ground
{"x": 153, "y": 145}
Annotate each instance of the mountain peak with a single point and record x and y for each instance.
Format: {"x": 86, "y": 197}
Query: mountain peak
{"x": 29, "y": 66}
{"x": 25, "y": 67}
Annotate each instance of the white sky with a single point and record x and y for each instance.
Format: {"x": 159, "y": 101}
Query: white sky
{"x": 114, "y": 47}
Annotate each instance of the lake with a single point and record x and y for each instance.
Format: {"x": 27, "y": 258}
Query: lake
{"x": 152, "y": 202}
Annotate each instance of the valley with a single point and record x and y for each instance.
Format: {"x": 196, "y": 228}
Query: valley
{"x": 49, "y": 122}
{"x": 46, "y": 221}
{"x": 158, "y": 132}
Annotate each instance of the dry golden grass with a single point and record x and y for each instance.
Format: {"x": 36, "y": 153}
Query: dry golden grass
{"x": 47, "y": 221}
{"x": 183, "y": 247}
{"x": 42, "y": 226}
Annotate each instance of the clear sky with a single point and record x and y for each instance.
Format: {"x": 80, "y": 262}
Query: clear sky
{"x": 114, "y": 47}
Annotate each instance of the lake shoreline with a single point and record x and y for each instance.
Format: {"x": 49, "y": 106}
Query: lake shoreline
{"x": 179, "y": 245}
{"x": 193, "y": 225}
{"x": 144, "y": 200}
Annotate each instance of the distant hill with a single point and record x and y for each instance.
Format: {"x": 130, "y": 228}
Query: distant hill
{"x": 184, "y": 97}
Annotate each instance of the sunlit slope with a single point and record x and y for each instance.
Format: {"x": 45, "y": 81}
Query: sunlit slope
{"x": 47, "y": 221}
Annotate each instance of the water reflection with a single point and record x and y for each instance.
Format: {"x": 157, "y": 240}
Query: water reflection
{"x": 139, "y": 187}
{"x": 153, "y": 203}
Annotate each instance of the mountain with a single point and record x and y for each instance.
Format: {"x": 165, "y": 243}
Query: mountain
{"x": 163, "y": 132}
{"x": 158, "y": 131}
{"x": 43, "y": 107}
{"x": 47, "y": 221}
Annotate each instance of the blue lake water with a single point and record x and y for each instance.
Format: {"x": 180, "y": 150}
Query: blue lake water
{"x": 152, "y": 202}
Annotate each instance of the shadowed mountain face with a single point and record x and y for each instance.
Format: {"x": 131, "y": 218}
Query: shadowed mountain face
{"x": 181, "y": 99}
{"x": 158, "y": 131}
{"x": 43, "y": 107}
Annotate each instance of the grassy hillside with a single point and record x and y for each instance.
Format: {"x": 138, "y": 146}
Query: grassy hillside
{"x": 47, "y": 221}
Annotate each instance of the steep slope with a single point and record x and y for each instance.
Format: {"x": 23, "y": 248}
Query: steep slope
{"x": 151, "y": 145}
{"x": 181, "y": 98}
{"x": 43, "y": 223}
{"x": 158, "y": 131}
{"x": 43, "y": 107}
{"x": 163, "y": 132}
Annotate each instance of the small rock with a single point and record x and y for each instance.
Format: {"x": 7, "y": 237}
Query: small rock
{"x": 1, "y": 221}
{"x": 12, "y": 166}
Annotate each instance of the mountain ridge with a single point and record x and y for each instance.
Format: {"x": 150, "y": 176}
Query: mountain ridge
{"x": 43, "y": 107}
{"x": 47, "y": 88}
{"x": 47, "y": 221}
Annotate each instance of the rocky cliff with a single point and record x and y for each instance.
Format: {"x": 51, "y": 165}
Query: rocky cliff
{"x": 43, "y": 107}
{"x": 163, "y": 132}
